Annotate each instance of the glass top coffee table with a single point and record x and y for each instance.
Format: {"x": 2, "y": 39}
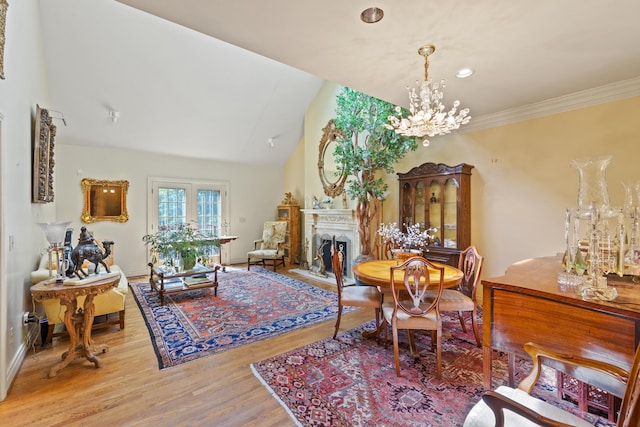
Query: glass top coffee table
{"x": 166, "y": 281}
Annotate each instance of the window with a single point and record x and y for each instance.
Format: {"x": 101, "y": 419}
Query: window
{"x": 181, "y": 202}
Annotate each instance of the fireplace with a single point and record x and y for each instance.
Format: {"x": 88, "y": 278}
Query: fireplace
{"x": 325, "y": 224}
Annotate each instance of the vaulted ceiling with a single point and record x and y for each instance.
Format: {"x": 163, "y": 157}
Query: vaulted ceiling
{"x": 216, "y": 79}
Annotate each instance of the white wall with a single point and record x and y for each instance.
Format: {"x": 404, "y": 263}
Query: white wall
{"x": 24, "y": 87}
{"x": 255, "y": 191}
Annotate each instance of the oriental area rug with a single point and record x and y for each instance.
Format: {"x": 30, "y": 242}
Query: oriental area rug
{"x": 352, "y": 381}
{"x": 250, "y": 306}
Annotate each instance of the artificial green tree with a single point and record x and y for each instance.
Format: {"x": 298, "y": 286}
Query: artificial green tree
{"x": 368, "y": 149}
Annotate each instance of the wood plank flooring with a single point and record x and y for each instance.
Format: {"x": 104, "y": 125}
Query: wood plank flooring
{"x": 130, "y": 390}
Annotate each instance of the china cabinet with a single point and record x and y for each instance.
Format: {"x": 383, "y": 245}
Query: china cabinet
{"x": 291, "y": 214}
{"x": 439, "y": 196}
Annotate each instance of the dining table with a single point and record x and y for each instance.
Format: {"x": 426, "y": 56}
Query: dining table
{"x": 378, "y": 273}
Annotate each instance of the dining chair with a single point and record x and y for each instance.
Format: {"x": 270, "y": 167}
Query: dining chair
{"x": 463, "y": 299}
{"x": 409, "y": 309}
{"x": 507, "y": 406}
{"x": 353, "y": 295}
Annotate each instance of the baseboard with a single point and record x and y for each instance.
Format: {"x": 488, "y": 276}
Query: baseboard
{"x": 16, "y": 363}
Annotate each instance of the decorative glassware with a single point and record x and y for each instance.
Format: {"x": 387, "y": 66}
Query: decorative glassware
{"x": 592, "y": 184}
{"x": 579, "y": 263}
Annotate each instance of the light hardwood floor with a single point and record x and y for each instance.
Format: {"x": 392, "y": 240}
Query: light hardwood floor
{"x": 130, "y": 390}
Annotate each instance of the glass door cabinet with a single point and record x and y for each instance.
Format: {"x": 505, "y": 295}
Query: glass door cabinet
{"x": 439, "y": 196}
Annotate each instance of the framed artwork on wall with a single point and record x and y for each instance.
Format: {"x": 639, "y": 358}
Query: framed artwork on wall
{"x": 3, "y": 19}
{"x": 104, "y": 200}
{"x": 43, "y": 161}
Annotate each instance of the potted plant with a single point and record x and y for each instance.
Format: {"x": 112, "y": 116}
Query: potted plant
{"x": 179, "y": 241}
{"x": 367, "y": 149}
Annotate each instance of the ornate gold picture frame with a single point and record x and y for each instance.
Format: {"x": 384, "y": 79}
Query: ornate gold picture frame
{"x": 3, "y": 19}
{"x": 43, "y": 161}
{"x": 104, "y": 200}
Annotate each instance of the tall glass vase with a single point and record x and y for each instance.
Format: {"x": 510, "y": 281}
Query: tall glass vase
{"x": 592, "y": 184}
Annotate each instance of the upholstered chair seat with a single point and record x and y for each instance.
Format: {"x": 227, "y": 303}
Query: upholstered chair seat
{"x": 482, "y": 416}
{"x": 452, "y": 300}
{"x": 359, "y": 296}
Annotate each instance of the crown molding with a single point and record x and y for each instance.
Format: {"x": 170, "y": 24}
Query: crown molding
{"x": 586, "y": 98}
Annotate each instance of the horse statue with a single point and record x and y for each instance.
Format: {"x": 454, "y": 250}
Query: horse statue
{"x": 87, "y": 249}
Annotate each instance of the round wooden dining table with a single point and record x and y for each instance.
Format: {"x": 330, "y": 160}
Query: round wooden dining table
{"x": 378, "y": 273}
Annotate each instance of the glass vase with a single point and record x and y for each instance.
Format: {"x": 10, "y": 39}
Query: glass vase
{"x": 592, "y": 183}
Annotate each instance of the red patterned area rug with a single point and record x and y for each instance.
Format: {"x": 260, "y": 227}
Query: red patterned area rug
{"x": 250, "y": 306}
{"x": 352, "y": 381}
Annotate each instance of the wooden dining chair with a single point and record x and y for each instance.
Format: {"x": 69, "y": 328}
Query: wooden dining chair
{"x": 506, "y": 406}
{"x": 409, "y": 309}
{"x": 463, "y": 299}
{"x": 353, "y": 295}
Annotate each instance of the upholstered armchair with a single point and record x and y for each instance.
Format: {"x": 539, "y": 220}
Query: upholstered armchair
{"x": 269, "y": 249}
{"x": 506, "y": 406}
{"x": 106, "y": 303}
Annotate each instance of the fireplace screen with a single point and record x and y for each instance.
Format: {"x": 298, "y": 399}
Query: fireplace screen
{"x": 341, "y": 246}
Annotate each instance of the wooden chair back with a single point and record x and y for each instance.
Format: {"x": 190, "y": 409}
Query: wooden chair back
{"x": 629, "y": 415}
{"x": 470, "y": 263}
{"x": 409, "y": 295}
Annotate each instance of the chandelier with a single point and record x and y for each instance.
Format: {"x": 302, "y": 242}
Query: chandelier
{"x": 428, "y": 116}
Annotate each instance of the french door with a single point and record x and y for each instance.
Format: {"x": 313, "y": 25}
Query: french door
{"x": 199, "y": 203}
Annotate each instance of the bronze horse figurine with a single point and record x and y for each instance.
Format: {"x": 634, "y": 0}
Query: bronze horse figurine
{"x": 87, "y": 249}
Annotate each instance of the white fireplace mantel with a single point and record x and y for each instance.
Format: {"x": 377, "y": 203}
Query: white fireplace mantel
{"x": 341, "y": 223}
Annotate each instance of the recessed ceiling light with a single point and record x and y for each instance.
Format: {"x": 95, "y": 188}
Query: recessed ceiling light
{"x": 371, "y": 15}
{"x": 463, "y": 73}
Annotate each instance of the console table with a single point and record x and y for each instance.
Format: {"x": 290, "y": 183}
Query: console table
{"x": 167, "y": 283}
{"x": 223, "y": 240}
{"x": 77, "y": 320}
{"x": 526, "y": 304}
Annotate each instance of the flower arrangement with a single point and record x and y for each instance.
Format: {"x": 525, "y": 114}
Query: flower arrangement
{"x": 414, "y": 238}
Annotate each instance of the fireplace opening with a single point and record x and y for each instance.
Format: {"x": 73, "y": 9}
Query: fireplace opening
{"x": 341, "y": 246}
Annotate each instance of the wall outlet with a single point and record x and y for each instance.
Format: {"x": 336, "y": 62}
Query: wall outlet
{"x": 28, "y": 317}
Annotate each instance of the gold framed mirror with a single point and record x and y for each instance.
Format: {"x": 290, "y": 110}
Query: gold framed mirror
{"x": 104, "y": 200}
{"x": 331, "y": 177}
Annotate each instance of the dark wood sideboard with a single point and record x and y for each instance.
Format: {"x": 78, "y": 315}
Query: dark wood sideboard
{"x": 527, "y": 304}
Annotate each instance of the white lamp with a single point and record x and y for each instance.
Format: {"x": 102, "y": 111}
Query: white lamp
{"x": 54, "y": 232}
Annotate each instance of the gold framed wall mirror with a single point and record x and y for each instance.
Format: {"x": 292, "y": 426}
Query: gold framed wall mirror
{"x": 332, "y": 176}
{"x": 104, "y": 200}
